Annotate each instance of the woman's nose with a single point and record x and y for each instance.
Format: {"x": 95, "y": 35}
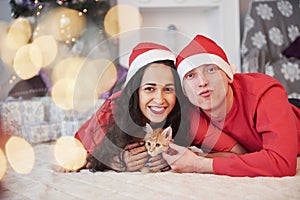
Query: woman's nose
{"x": 159, "y": 97}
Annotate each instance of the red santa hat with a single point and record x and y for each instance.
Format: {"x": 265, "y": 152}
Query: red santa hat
{"x": 202, "y": 50}
{"x": 145, "y": 53}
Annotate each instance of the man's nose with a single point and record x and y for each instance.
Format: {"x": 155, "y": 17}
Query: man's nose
{"x": 202, "y": 80}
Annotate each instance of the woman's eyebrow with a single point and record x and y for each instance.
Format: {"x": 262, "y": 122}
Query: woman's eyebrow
{"x": 170, "y": 84}
{"x": 154, "y": 84}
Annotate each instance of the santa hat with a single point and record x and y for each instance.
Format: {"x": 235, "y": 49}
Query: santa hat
{"x": 145, "y": 53}
{"x": 202, "y": 50}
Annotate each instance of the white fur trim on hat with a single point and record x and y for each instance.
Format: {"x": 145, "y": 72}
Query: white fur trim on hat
{"x": 146, "y": 58}
{"x": 197, "y": 60}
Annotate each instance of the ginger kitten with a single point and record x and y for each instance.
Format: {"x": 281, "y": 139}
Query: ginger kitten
{"x": 156, "y": 141}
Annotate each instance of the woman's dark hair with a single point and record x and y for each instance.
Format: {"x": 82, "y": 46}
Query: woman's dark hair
{"x": 130, "y": 121}
{"x": 128, "y": 113}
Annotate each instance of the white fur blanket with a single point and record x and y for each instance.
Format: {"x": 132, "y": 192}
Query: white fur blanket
{"x": 45, "y": 183}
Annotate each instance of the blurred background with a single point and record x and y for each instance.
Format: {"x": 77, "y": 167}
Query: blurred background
{"x": 163, "y": 18}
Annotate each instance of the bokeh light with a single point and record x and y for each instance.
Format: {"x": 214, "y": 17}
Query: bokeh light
{"x": 28, "y": 61}
{"x": 20, "y": 155}
{"x": 63, "y": 23}
{"x": 7, "y": 53}
{"x": 95, "y": 77}
{"x": 2, "y": 164}
{"x": 48, "y": 46}
{"x": 67, "y": 68}
{"x": 107, "y": 74}
{"x": 122, "y": 18}
{"x": 69, "y": 153}
{"x": 62, "y": 93}
{"x": 19, "y": 33}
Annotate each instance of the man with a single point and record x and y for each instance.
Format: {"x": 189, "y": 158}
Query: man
{"x": 252, "y": 108}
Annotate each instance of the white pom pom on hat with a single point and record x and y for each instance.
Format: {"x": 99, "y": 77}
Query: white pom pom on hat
{"x": 145, "y": 53}
{"x": 202, "y": 50}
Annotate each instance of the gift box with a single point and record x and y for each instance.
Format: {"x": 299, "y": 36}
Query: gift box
{"x": 16, "y": 114}
{"x": 42, "y": 132}
{"x": 52, "y": 112}
{"x": 40, "y": 120}
{"x": 69, "y": 128}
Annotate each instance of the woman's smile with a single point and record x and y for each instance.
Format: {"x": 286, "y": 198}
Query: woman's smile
{"x": 158, "y": 110}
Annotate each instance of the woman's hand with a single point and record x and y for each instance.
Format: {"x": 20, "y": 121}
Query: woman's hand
{"x": 157, "y": 164}
{"x": 183, "y": 160}
{"x": 135, "y": 156}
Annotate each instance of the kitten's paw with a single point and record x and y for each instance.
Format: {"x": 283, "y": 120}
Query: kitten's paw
{"x": 145, "y": 170}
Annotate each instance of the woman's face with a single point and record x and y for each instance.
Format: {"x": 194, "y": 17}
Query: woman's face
{"x": 157, "y": 95}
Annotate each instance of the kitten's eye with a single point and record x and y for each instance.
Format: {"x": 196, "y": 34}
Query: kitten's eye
{"x": 148, "y": 143}
{"x": 157, "y": 145}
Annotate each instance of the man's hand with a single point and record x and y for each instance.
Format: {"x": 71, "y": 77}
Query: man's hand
{"x": 183, "y": 160}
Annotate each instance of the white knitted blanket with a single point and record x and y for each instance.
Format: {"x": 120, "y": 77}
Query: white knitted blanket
{"x": 45, "y": 183}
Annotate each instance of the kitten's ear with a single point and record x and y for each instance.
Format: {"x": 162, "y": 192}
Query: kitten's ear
{"x": 168, "y": 133}
{"x": 148, "y": 128}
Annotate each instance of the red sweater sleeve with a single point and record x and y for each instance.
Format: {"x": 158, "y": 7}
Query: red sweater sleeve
{"x": 276, "y": 127}
{"x": 91, "y": 133}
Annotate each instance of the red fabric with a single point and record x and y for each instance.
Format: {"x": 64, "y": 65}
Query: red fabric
{"x": 144, "y": 47}
{"x": 92, "y": 132}
{"x": 266, "y": 124}
{"x": 201, "y": 44}
{"x": 207, "y": 136}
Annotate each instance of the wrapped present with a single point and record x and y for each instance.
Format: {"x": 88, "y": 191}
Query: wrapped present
{"x": 83, "y": 115}
{"x": 40, "y": 120}
{"x": 52, "y": 112}
{"x": 69, "y": 128}
{"x": 16, "y": 114}
{"x": 43, "y": 132}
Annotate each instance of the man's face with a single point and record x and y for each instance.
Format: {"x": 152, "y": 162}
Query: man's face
{"x": 207, "y": 87}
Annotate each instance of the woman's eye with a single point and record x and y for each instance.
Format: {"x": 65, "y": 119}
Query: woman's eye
{"x": 149, "y": 89}
{"x": 170, "y": 89}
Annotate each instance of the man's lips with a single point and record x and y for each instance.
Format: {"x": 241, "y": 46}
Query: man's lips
{"x": 157, "y": 109}
{"x": 204, "y": 93}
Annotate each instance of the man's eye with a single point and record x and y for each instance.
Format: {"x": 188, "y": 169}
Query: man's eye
{"x": 211, "y": 69}
{"x": 189, "y": 76}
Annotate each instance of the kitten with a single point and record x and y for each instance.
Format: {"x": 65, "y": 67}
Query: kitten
{"x": 156, "y": 141}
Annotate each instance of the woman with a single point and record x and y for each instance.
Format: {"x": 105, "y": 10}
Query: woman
{"x": 152, "y": 94}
